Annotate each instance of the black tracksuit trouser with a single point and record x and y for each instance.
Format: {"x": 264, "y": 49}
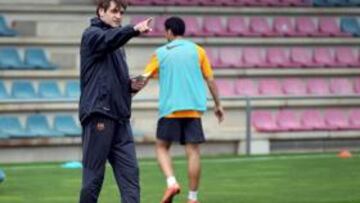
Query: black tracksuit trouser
{"x": 106, "y": 139}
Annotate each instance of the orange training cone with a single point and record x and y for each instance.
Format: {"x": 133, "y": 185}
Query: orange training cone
{"x": 344, "y": 154}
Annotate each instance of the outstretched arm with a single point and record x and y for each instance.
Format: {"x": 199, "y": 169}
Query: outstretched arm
{"x": 99, "y": 40}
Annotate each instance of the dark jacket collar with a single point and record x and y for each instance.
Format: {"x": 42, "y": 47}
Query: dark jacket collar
{"x": 96, "y": 21}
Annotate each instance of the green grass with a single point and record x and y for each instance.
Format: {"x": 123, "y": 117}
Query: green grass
{"x": 271, "y": 179}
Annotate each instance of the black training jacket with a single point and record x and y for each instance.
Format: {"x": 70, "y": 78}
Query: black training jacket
{"x": 104, "y": 76}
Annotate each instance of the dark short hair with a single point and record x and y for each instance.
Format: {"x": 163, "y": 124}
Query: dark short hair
{"x": 105, "y": 4}
{"x": 176, "y": 25}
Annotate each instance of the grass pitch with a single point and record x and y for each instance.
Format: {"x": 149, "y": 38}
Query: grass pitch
{"x": 313, "y": 178}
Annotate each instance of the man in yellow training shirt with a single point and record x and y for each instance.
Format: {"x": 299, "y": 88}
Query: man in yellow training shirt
{"x": 183, "y": 68}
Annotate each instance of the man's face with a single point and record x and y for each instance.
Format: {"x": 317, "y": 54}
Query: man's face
{"x": 113, "y": 15}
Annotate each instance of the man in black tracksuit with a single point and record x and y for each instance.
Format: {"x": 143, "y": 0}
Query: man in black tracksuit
{"x": 105, "y": 103}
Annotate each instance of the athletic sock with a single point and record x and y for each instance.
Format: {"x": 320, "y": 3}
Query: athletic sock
{"x": 171, "y": 180}
{"x": 193, "y": 195}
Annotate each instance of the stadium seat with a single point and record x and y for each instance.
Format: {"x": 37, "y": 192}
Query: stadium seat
{"x": 263, "y": 121}
{"x": 159, "y": 28}
{"x": 341, "y": 86}
{"x": 269, "y": 2}
{"x": 35, "y": 57}
{"x": 354, "y": 2}
{"x": 72, "y": 89}
{"x": 38, "y": 125}
{"x": 253, "y": 57}
{"x": 11, "y": 127}
{"x": 10, "y": 59}
{"x": 270, "y": 87}
{"x": 163, "y": 2}
{"x": 4, "y": 29}
{"x": 283, "y": 26}
{"x": 210, "y": 2}
{"x": 49, "y": 90}
{"x": 66, "y": 124}
{"x": 335, "y": 119}
{"x": 357, "y": 85}
{"x": 213, "y": 57}
{"x": 305, "y": 26}
{"x": 287, "y": 120}
{"x": 212, "y": 26}
{"x": 3, "y": 93}
{"x": 23, "y": 90}
{"x": 350, "y": 25}
{"x": 230, "y": 57}
{"x": 294, "y": 87}
{"x": 226, "y": 88}
{"x": 312, "y": 120}
{"x": 186, "y": 2}
{"x": 354, "y": 119}
{"x": 301, "y": 57}
{"x": 277, "y": 57}
{"x": 192, "y": 26}
{"x": 318, "y": 87}
{"x": 3, "y": 135}
{"x": 322, "y": 3}
{"x": 137, "y": 19}
{"x": 329, "y": 27}
{"x": 245, "y": 87}
{"x": 323, "y": 57}
{"x": 237, "y": 26}
{"x": 259, "y": 26}
{"x": 346, "y": 56}
{"x": 295, "y": 2}
{"x": 141, "y": 2}
{"x": 338, "y": 2}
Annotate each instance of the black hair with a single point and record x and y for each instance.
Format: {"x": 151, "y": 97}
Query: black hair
{"x": 176, "y": 25}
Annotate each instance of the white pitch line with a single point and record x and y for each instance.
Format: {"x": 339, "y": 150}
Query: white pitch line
{"x": 205, "y": 160}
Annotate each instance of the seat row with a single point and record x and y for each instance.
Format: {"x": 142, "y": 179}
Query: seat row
{"x": 5, "y": 30}
{"x": 279, "y": 57}
{"x": 37, "y": 125}
{"x": 313, "y": 87}
{"x": 306, "y": 120}
{"x": 262, "y": 26}
{"x": 248, "y": 2}
{"x": 24, "y": 90}
{"x": 34, "y": 58}
{"x": 335, "y": 3}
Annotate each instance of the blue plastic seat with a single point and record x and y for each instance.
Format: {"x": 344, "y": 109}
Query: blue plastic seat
{"x": 38, "y": 125}
{"x": 36, "y": 57}
{"x": 72, "y": 89}
{"x": 3, "y": 92}
{"x": 11, "y": 127}
{"x": 10, "y": 59}
{"x": 338, "y": 2}
{"x": 3, "y": 135}
{"x": 350, "y": 25}
{"x": 321, "y": 3}
{"x": 49, "y": 89}
{"x": 354, "y": 2}
{"x": 66, "y": 124}
{"x": 4, "y": 29}
{"x": 23, "y": 90}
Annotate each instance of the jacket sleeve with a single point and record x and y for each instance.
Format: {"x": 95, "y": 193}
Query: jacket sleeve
{"x": 98, "y": 40}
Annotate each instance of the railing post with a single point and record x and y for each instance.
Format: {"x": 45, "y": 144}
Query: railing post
{"x": 248, "y": 126}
